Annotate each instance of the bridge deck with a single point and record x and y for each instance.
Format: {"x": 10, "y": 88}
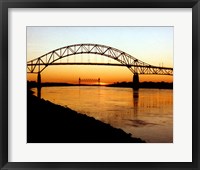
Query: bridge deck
{"x": 105, "y": 64}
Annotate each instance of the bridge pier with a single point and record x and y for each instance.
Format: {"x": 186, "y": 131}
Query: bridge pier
{"x": 136, "y": 81}
{"x": 99, "y": 81}
{"x": 39, "y": 85}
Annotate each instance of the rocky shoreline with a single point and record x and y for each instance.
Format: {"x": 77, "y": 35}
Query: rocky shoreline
{"x": 51, "y": 123}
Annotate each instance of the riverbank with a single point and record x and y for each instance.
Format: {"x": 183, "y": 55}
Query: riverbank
{"x": 51, "y": 123}
{"x": 155, "y": 85}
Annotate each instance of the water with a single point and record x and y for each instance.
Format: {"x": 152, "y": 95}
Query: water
{"x": 146, "y": 113}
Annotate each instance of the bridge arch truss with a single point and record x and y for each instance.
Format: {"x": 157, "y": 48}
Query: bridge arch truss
{"x": 133, "y": 64}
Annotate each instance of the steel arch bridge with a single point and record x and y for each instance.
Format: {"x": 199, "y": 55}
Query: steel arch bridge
{"x": 135, "y": 65}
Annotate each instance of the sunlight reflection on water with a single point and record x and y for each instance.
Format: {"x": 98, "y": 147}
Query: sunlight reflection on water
{"x": 146, "y": 113}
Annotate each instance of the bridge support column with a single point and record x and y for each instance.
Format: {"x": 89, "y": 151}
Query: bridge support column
{"x": 39, "y": 85}
{"x": 98, "y": 81}
{"x": 136, "y": 81}
{"x": 79, "y": 81}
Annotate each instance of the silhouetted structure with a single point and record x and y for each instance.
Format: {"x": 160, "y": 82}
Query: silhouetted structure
{"x": 135, "y": 65}
{"x": 39, "y": 85}
{"x": 135, "y": 81}
{"x": 89, "y": 80}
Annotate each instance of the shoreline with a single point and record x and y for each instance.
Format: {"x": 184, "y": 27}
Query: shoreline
{"x": 155, "y": 85}
{"x": 51, "y": 123}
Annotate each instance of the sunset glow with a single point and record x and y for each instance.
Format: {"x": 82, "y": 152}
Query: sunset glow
{"x": 152, "y": 45}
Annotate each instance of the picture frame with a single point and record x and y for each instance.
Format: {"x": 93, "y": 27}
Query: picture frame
{"x": 4, "y": 98}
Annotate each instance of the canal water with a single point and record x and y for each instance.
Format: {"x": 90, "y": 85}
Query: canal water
{"x": 145, "y": 113}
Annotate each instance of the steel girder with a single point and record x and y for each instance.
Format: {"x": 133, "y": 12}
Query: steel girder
{"x": 134, "y": 65}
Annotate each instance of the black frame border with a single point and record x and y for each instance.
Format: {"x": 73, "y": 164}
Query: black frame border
{"x": 6, "y": 4}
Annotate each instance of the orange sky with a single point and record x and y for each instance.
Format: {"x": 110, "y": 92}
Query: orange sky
{"x": 109, "y": 74}
{"x": 153, "y": 45}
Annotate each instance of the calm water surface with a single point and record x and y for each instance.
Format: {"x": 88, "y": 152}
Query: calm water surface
{"x": 146, "y": 113}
